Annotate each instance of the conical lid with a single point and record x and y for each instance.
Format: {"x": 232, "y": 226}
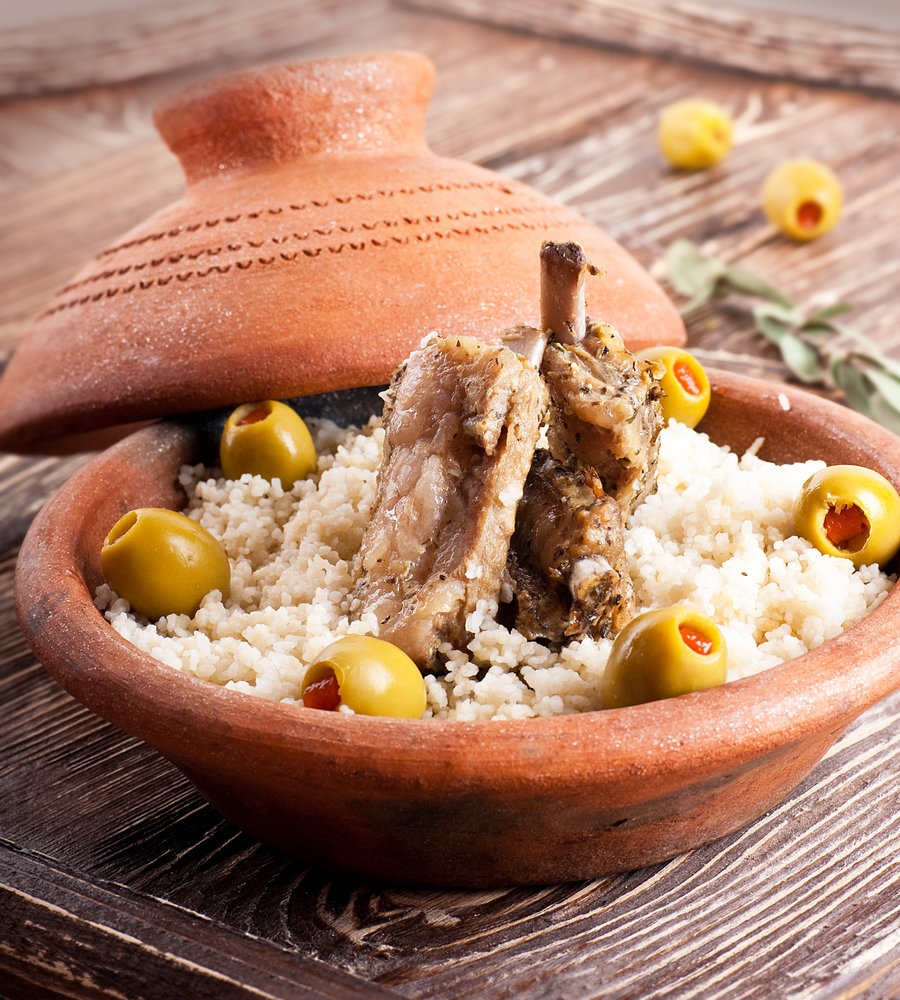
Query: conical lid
{"x": 318, "y": 240}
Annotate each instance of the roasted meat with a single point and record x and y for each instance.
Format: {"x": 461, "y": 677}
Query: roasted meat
{"x": 526, "y": 341}
{"x": 605, "y": 411}
{"x": 567, "y": 561}
{"x": 567, "y": 558}
{"x": 604, "y": 403}
{"x": 461, "y": 422}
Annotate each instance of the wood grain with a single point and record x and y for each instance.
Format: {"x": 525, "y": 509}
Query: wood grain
{"x": 125, "y": 44}
{"x": 759, "y": 41}
{"x": 103, "y": 942}
{"x": 801, "y": 904}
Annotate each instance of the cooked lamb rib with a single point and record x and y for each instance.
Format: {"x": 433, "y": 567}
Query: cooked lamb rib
{"x": 605, "y": 411}
{"x": 604, "y": 403}
{"x": 567, "y": 558}
{"x": 461, "y": 422}
{"x": 563, "y": 268}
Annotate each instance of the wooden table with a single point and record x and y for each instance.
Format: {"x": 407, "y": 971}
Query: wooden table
{"x": 117, "y": 880}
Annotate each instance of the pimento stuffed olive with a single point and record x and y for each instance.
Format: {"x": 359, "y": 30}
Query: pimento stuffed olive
{"x": 803, "y": 199}
{"x": 368, "y": 675}
{"x": 163, "y": 562}
{"x": 267, "y": 439}
{"x": 851, "y": 512}
{"x": 685, "y": 384}
{"x": 662, "y": 654}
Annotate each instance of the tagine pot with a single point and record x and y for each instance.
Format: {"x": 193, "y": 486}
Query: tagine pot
{"x": 317, "y": 241}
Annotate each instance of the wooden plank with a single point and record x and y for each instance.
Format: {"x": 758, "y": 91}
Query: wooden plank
{"x": 67, "y": 936}
{"x": 122, "y": 45}
{"x": 758, "y": 41}
{"x": 28, "y": 483}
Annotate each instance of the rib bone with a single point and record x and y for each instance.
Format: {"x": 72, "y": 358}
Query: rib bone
{"x": 563, "y": 267}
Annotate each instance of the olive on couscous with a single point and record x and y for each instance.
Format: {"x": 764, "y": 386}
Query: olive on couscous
{"x": 662, "y": 654}
{"x": 163, "y": 562}
{"x": 267, "y": 439}
{"x": 850, "y": 511}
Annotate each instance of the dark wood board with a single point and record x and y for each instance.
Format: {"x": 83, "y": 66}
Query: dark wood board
{"x": 67, "y": 931}
{"x": 125, "y": 44}
{"x": 105, "y": 846}
{"x": 765, "y": 41}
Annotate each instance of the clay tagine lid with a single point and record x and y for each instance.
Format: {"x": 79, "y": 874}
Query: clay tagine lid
{"x": 317, "y": 242}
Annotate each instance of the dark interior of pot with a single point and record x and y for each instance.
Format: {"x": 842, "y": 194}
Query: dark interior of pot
{"x": 344, "y": 407}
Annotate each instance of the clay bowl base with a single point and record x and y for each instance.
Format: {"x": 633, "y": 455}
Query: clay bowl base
{"x": 456, "y": 803}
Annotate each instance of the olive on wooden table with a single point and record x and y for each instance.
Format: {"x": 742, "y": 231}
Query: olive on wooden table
{"x": 851, "y": 512}
{"x": 267, "y": 439}
{"x": 803, "y": 199}
{"x": 685, "y": 384}
{"x": 368, "y": 675}
{"x": 163, "y": 562}
{"x": 695, "y": 133}
{"x": 661, "y": 654}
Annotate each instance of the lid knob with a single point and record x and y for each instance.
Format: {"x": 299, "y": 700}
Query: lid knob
{"x": 371, "y": 105}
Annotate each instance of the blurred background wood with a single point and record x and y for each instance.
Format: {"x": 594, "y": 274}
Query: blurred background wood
{"x": 134, "y": 41}
{"x": 92, "y": 42}
{"x": 757, "y": 40}
{"x": 106, "y": 851}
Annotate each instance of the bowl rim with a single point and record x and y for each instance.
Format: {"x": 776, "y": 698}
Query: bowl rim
{"x": 722, "y": 727}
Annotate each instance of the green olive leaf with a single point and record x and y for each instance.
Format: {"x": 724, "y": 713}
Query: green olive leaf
{"x": 801, "y": 358}
{"x": 825, "y": 314}
{"x": 810, "y": 343}
{"x": 772, "y": 329}
{"x": 887, "y": 386}
{"x": 883, "y": 413}
{"x": 745, "y": 281}
{"x": 889, "y": 365}
{"x": 852, "y": 382}
{"x": 692, "y": 273}
{"x": 790, "y": 318}
{"x": 814, "y": 328}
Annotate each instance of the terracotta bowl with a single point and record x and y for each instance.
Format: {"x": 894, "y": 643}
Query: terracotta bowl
{"x": 461, "y": 803}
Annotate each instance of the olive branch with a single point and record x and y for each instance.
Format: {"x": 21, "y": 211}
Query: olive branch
{"x": 869, "y": 381}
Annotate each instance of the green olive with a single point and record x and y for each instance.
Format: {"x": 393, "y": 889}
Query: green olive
{"x": 849, "y": 511}
{"x": 803, "y": 199}
{"x": 695, "y": 133}
{"x": 163, "y": 562}
{"x": 661, "y": 654}
{"x": 267, "y": 439}
{"x": 685, "y": 384}
{"x": 369, "y": 675}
